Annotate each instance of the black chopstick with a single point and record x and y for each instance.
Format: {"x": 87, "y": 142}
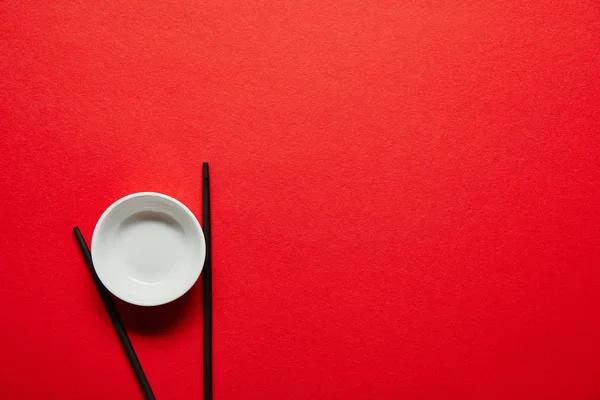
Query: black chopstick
{"x": 114, "y": 317}
{"x": 207, "y": 286}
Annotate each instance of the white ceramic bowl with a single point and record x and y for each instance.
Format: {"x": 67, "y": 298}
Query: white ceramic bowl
{"x": 148, "y": 249}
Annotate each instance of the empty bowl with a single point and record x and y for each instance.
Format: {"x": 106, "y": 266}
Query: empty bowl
{"x": 148, "y": 249}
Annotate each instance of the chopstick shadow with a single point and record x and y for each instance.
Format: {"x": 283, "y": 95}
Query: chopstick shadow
{"x": 160, "y": 319}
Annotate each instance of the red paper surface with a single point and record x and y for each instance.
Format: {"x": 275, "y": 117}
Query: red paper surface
{"x": 405, "y": 196}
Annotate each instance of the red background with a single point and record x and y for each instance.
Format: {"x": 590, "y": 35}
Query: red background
{"x": 405, "y": 196}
